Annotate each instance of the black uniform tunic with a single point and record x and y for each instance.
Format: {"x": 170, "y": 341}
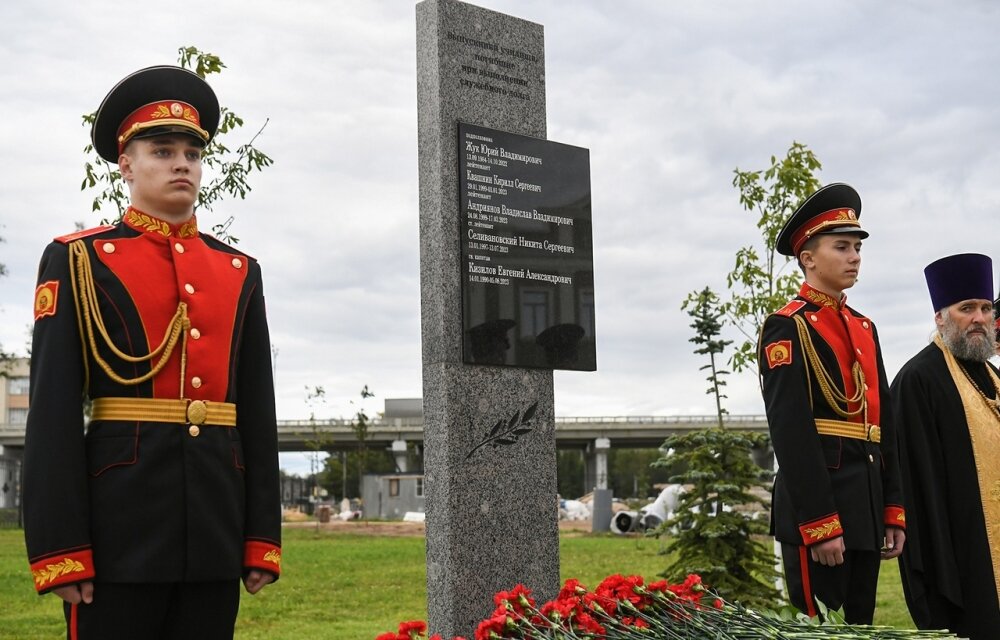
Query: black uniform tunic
{"x": 828, "y": 486}
{"x": 134, "y": 501}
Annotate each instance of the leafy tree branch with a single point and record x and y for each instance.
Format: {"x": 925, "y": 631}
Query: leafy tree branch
{"x": 761, "y": 281}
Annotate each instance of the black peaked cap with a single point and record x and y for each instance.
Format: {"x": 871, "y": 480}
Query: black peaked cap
{"x": 148, "y": 85}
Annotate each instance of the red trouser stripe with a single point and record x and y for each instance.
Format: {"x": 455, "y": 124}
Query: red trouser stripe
{"x": 72, "y": 621}
{"x": 806, "y": 587}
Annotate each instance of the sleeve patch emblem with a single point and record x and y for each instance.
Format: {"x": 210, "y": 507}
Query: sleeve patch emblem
{"x": 895, "y": 516}
{"x": 46, "y": 297}
{"x": 825, "y": 530}
{"x": 778, "y": 353}
{"x": 273, "y": 556}
{"x": 52, "y": 572}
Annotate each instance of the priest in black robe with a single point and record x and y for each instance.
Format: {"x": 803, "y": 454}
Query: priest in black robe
{"x": 945, "y": 403}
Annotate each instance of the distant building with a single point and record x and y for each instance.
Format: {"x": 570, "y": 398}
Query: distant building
{"x": 295, "y": 491}
{"x": 403, "y": 408}
{"x": 390, "y": 496}
{"x": 14, "y": 391}
{"x": 13, "y": 413}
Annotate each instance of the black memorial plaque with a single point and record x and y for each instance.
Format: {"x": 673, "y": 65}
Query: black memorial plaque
{"x": 527, "y": 251}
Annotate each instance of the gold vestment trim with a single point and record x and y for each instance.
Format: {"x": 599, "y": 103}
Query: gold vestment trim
{"x": 984, "y": 432}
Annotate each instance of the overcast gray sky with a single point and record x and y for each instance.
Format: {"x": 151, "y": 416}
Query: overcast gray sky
{"x": 898, "y": 99}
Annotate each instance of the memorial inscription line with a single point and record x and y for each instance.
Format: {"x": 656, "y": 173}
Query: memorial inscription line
{"x": 484, "y": 44}
{"x": 491, "y": 74}
{"x": 504, "y": 210}
{"x": 521, "y": 241}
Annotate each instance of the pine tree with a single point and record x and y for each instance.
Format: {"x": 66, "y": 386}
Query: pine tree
{"x": 704, "y": 308}
{"x": 717, "y": 528}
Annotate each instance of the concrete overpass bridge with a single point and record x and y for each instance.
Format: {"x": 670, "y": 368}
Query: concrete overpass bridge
{"x": 571, "y": 432}
{"x": 592, "y": 436}
{"x": 633, "y": 432}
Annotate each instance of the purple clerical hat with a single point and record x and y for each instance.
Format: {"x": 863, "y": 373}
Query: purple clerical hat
{"x": 966, "y": 276}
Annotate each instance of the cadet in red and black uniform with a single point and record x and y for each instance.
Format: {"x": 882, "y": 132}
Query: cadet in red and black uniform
{"x": 145, "y": 519}
{"x": 837, "y": 503}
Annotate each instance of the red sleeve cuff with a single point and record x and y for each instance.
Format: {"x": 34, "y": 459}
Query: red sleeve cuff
{"x": 62, "y": 568}
{"x": 821, "y": 530}
{"x": 895, "y": 516}
{"x": 263, "y": 555}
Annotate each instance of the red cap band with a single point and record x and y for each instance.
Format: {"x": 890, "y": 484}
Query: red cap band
{"x": 159, "y": 114}
{"x": 826, "y": 220}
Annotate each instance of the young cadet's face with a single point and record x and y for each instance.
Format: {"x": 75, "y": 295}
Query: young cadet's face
{"x": 163, "y": 173}
{"x": 835, "y": 262}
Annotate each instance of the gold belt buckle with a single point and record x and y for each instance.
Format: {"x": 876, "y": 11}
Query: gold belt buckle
{"x": 197, "y": 411}
{"x": 874, "y": 433}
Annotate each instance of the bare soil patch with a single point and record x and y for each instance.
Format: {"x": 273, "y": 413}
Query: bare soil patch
{"x": 398, "y": 528}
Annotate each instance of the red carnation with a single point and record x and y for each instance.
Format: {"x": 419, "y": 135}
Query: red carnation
{"x": 492, "y": 627}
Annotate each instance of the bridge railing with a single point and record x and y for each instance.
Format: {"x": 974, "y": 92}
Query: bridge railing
{"x": 572, "y": 427}
{"x": 728, "y": 419}
{"x": 733, "y": 420}
{"x": 13, "y": 434}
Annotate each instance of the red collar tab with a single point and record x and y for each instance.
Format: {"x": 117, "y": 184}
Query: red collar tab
{"x": 842, "y": 217}
{"x": 814, "y": 295}
{"x": 165, "y": 113}
{"x": 148, "y": 224}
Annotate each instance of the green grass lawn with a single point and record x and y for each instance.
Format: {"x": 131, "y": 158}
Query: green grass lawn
{"x": 351, "y": 586}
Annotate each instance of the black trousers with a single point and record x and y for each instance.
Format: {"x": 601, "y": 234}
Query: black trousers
{"x": 851, "y": 585}
{"x": 168, "y": 611}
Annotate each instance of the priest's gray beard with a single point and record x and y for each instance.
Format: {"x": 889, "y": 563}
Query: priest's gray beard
{"x": 973, "y": 346}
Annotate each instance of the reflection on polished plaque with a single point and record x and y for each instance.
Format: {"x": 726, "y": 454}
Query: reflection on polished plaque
{"x": 527, "y": 251}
